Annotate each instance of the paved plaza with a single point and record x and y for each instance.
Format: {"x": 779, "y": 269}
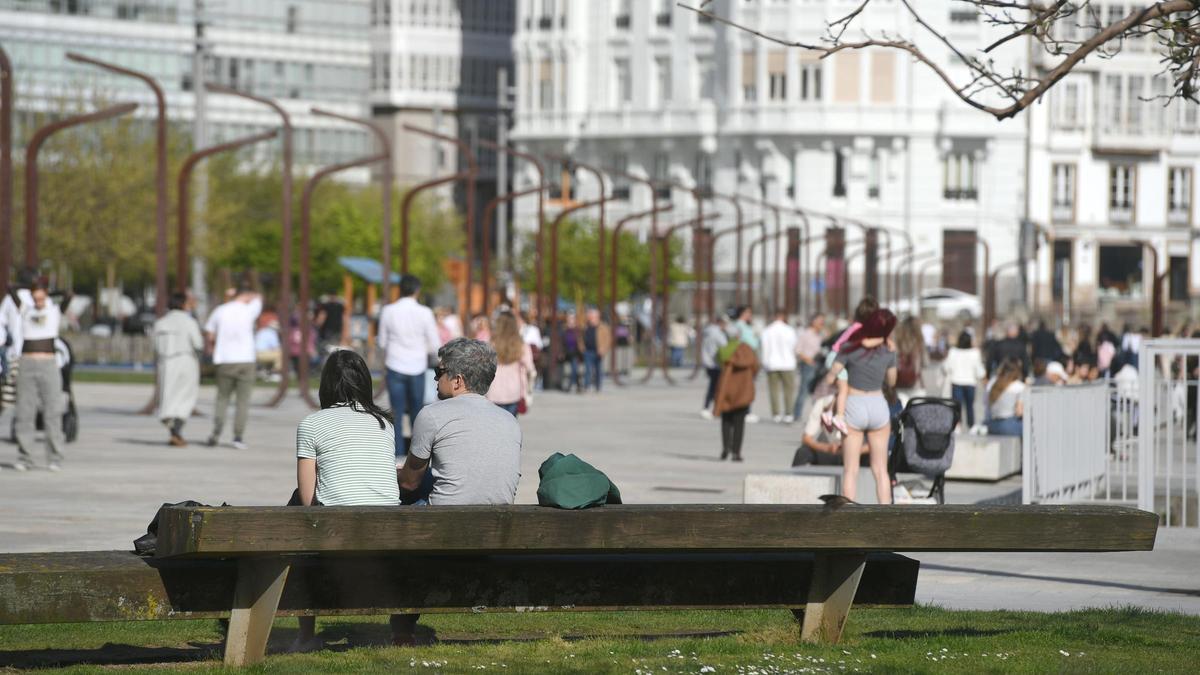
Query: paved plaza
{"x": 648, "y": 438}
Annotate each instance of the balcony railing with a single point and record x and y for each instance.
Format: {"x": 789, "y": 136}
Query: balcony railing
{"x": 970, "y": 194}
{"x": 1120, "y": 213}
{"x": 1180, "y": 216}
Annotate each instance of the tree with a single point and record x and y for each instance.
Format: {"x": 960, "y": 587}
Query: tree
{"x": 1066, "y": 31}
{"x": 578, "y": 262}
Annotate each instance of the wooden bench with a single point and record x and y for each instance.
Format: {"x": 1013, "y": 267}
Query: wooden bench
{"x": 254, "y": 563}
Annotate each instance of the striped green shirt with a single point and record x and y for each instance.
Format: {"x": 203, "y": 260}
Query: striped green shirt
{"x": 356, "y": 463}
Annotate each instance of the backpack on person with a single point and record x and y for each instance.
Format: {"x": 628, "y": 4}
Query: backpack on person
{"x": 907, "y": 373}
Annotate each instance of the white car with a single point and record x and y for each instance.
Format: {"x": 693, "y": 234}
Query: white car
{"x": 946, "y": 303}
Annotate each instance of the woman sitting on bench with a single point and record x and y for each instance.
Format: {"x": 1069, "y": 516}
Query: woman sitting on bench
{"x": 345, "y": 452}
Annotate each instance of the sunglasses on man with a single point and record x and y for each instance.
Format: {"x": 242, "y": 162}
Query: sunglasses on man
{"x": 438, "y": 372}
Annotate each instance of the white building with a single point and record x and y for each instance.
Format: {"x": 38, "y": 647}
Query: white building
{"x": 304, "y": 53}
{"x": 1111, "y": 166}
{"x": 435, "y": 64}
{"x": 864, "y": 134}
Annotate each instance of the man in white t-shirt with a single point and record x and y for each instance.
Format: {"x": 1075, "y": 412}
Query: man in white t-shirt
{"x": 408, "y": 336}
{"x": 229, "y": 337}
{"x": 779, "y": 360}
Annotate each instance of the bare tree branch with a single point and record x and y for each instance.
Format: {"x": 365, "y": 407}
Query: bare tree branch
{"x": 1055, "y": 25}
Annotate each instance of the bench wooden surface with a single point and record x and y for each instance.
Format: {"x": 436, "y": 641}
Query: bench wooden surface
{"x": 122, "y": 586}
{"x": 240, "y": 531}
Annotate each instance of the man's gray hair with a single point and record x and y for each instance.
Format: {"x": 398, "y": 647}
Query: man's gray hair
{"x": 475, "y": 360}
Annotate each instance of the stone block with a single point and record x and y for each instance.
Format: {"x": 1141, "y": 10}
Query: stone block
{"x": 988, "y": 458}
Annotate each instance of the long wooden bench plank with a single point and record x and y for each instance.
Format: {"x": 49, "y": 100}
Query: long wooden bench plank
{"x": 231, "y": 531}
{"x": 119, "y": 586}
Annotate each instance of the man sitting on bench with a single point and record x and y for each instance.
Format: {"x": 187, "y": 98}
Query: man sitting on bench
{"x": 472, "y": 444}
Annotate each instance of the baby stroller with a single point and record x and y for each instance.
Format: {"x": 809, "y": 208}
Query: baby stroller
{"x": 70, "y": 421}
{"x": 926, "y": 444}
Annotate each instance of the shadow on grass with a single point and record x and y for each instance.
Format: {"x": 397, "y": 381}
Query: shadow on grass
{"x": 111, "y": 654}
{"x": 949, "y": 632}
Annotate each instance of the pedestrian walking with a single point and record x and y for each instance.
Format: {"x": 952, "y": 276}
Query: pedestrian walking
{"x": 39, "y": 380}
{"x": 679, "y": 336}
{"x": 808, "y": 350}
{"x": 408, "y": 336}
{"x": 713, "y": 339}
{"x": 515, "y": 371}
{"x": 597, "y": 342}
{"x": 229, "y": 337}
{"x": 779, "y": 360}
{"x": 177, "y": 345}
{"x": 735, "y": 394}
{"x": 963, "y": 369}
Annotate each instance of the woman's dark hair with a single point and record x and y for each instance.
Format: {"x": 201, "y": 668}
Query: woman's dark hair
{"x": 345, "y": 381}
{"x": 964, "y": 340}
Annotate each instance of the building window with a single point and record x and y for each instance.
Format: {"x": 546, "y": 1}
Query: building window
{"x": 1121, "y": 271}
{"x": 620, "y": 181}
{"x": 703, "y": 172}
{"x": 662, "y": 66}
{"x": 810, "y": 77}
{"x": 624, "y": 84}
{"x": 1177, "y": 277}
{"x": 705, "y": 78}
{"x": 546, "y": 85}
{"x": 663, "y": 17}
{"x": 1121, "y": 184}
{"x": 1124, "y": 103}
{"x": 777, "y": 75}
{"x": 839, "y": 172}
{"x": 960, "y": 177}
{"x": 1179, "y": 196}
{"x": 624, "y": 9}
{"x": 874, "y": 176}
{"x": 1063, "y": 207}
{"x": 662, "y": 176}
{"x": 293, "y": 16}
{"x": 1067, "y": 106}
{"x": 749, "y": 77}
{"x": 546, "y": 20}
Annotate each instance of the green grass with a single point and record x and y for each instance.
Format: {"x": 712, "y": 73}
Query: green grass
{"x": 919, "y": 640}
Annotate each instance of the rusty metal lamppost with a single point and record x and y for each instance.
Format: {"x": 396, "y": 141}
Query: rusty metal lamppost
{"x": 664, "y": 242}
{"x": 305, "y": 251}
{"x": 6, "y": 169}
{"x": 541, "y": 224}
{"x": 601, "y": 200}
{"x": 740, "y": 223}
{"x": 285, "y": 214}
{"x": 616, "y": 254}
{"x": 486, "y": 259}
{"x": 555, "y": 333}
{"x": 32, "y": 148}
{"x": 183, "y": 227}
{"x": 160, "y": 173}
{"x": 653, "y": 213}
{"x": 469, "y": 177}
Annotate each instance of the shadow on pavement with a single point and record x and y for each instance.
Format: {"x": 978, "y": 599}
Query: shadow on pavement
{"x": 1193, "y": 592}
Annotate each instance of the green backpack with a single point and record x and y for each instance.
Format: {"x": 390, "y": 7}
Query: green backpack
{"x": 567, "y": 482}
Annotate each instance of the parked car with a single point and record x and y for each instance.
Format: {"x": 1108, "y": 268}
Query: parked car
{"x": 946, "y": 304}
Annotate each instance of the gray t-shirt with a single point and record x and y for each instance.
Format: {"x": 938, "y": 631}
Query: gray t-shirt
{"x": 474, "y": 449}
{"x": 866, "y": 368}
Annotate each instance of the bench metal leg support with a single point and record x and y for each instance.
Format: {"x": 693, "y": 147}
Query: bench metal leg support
{"x": 834, "y": 583}
{"x": 255, "y": 599}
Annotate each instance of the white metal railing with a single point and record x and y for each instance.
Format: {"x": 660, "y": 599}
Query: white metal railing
{"x": 1168, "y": 445}
{"x": 1065, "y": 443}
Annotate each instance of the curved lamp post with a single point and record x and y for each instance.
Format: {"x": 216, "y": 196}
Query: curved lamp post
{"x": 160, "y": 173}
{"x": 305, "y": 253}
{"x": 555, "y": 333}
{"x": 285, "y": 214}
{"x": 32, "y": 148}
{"x": 612, "y": 279}
{"x": 601, "y": 200}
{"x": 664, "y": 242}
{"x": 486, "y": 259}
{"x": 541, "y": 216}
{"x": 740, "y": 223}
{"x": 6, "y": 170}
{"x": 469, "y": 176}
{"x": 760, "y": 223}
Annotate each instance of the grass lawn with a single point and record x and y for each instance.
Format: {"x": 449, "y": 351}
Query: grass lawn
{"x": 918, "y": 640}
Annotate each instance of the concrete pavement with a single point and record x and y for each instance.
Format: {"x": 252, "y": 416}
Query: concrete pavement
{"x": 648, "y": 438}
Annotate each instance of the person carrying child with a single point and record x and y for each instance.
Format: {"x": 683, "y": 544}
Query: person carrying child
{"x": 870, "y": 364}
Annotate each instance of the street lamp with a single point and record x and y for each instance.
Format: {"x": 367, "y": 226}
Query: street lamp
{"x": 541, "y": 223}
